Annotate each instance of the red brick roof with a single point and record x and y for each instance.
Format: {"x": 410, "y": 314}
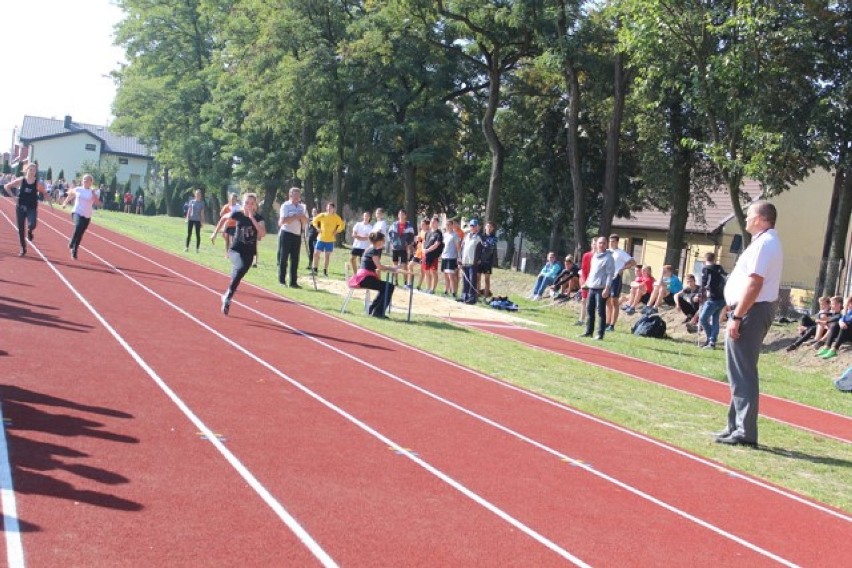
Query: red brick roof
{"x": 716, "y": 214}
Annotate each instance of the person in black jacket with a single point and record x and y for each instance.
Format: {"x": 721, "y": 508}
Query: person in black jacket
{"x": 713, "y": 279}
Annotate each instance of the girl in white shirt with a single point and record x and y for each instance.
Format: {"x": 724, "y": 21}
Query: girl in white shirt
{"x": 85, "y": 200}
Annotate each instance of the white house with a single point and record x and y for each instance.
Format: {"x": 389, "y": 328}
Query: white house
{"x": 64, "y": 145}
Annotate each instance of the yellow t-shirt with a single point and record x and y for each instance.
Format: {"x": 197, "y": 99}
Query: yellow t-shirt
{"x": 329, "y": 225}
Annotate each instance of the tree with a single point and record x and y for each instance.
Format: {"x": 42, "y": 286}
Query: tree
{"x": 61, "y": 175}
{"x": 49, "y": 173}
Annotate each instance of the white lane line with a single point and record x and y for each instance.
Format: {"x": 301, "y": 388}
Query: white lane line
{"x": 11, "y": 526}
{"x": 652, "y": 381}
{"x": 541, "y": 539}
{"x": 564, "y": 457}
{"x": 244, "y": 472}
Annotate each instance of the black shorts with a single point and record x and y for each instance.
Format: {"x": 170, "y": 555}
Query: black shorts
{"x": 485, "y": 268}
{"x": 357, "y": 252}
{"x": 400, "y": 256}
{"x": 449, "y": 264}
{"x": 231, "y": 231}
{"x": 615, "y": 289}
{"x": 669, "y": 300}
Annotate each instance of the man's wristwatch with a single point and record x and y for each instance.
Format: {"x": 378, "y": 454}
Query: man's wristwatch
{"x": 734, "y": 317}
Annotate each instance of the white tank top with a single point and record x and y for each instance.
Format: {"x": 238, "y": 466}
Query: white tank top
{"x": 83, "y": 202}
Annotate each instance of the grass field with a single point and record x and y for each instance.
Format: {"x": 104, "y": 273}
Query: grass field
{"x": 811, "y": 465}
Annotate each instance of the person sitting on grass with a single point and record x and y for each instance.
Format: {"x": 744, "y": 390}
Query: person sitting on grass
{"x": 546, "y": 276}
{"x": 824, "y": 324}
{"x": 839, "y": 333}
{"x": 640, "y": 290}
{"x": 368, "y": 275}
{"x": 665, "y": 290}
{"x": 688, "y": 300}
{"x": 808, "y": 326}
{"x": 568, "y": 281}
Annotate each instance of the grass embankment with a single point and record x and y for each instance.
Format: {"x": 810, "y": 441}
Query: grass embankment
{"x": 809, "y": 464}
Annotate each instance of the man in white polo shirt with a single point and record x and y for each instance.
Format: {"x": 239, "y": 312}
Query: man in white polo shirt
{"x": 752, "y": 292}
{"x": 623, "y": 261}
{"x": 292, "y": 218}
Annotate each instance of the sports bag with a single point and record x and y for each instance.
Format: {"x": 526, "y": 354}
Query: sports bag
{"x": 650, "y": 326}
{"x": 844, "y": 383}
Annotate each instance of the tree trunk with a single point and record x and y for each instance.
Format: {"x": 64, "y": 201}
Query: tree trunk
{"x": 840, "y": 229}
{"x": 556, "y": 232}
{"x": 837, "y": 189}
{"x": 167, "y": 195}
{"x": 270, "y": 190}
{"x": 682, "y": 169}
{"x": 734, "y": 181}
{"x": 494, "y": 145}
{"x": 613, "y": 139}
{"x": 409, "y": 181}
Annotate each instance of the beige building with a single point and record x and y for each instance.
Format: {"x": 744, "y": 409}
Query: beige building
{"x": 802, "y": 221}
{"x": 64, "y": 145}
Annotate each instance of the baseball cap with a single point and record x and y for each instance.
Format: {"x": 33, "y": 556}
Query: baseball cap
{"x": 473, "y": 223}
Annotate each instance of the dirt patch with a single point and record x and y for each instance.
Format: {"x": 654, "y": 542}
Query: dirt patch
{"x": 436, "y": 305}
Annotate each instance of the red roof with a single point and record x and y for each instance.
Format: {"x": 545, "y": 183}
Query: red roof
{"x": 716, "y": 214}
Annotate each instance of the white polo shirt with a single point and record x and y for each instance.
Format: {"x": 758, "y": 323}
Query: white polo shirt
{"x": 288, "y": 209}
{"x": 763, "y": 257}
{"x": 621, "y": 257}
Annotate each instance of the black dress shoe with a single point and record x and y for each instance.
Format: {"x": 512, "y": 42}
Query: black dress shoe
{"x": 585, "y": 335}
{"x": 294, "y": 285}
{"x": 735, "y": 440}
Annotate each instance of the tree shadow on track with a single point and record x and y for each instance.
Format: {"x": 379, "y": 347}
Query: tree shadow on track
{"x": 42, "y": 466}
{"x": 20, "y": 311}
{"x": 797, "y": 455}
{"x": 278, "y": 328}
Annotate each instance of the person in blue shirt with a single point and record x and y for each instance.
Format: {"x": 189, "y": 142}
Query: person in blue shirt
{"x": 546, "y": 277}
{"x": 664, "y": 292}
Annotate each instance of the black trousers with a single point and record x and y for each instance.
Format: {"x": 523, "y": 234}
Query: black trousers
{"x": 25, "y": 216}
{"x": 189, "y": 226}
{"x": 383, "y": 298}
{"x": 289, "y": 247}
{"x": 80, "y": 226}
{"x": 240, "y": 265}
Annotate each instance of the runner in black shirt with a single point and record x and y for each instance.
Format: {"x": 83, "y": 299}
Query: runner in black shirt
{"x": 28, "y": 188}
{"x": 249, "y": 230}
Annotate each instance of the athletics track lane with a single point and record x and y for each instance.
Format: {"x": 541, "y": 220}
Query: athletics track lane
{"x": 614, "y": 522}
{"x": 814, "y": 420}
{"x": 89, "y": 435}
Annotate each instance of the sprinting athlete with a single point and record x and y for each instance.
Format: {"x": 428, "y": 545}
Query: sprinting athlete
{"x": 85, "y": 200}
{"x": 26, "y": 212}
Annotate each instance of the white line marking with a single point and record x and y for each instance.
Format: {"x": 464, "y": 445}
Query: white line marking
{"x": 541, "y": 539}
{"x": 11, "y": 526}
{"x": 639, "y": 493}
{"x": 244, "y": 472}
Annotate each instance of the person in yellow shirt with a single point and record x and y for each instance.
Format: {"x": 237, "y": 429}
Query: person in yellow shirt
{"x": 328, "y": 224}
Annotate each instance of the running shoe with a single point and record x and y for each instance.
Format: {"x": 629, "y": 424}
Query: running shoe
{"x": 226, "y": 303}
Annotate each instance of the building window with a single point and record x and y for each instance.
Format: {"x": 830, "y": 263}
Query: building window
{"x": 91, "y": 147}
{"x": 122, "y": 161}
{"x": 737, "y": 244}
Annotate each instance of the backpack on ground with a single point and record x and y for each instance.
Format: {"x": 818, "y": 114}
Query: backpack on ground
{"x": 844, "y": 383}
{"x": 650, "y": 326}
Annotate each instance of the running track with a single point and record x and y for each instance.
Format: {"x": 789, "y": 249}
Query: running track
{"x": 815, "y": 420}
{"x": 142, "y": 427}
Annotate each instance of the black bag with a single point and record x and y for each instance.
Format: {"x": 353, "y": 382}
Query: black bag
{"x": 844, "y": 383}
{"x": 650, "y": 326}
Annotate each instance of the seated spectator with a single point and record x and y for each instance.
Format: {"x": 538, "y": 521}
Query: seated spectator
{"x": 688, "y": 300}
{"x": 568, "y": 280}
{"x": 808, "y": 326}
{"x": 665, "y": 290}
{"x": 546, "y": 277}
{"x": 824, "y": 324}
{"x": 839, "y": 333}
{"x": 640, "y": 290}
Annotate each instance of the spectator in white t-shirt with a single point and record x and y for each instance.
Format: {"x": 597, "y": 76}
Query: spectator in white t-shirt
{"x": 360, "y": 240}
{"x": 450, "y": 259}
{"x": 623, "y": 261}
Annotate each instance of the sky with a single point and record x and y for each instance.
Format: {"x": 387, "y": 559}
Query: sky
{"x": 66, "y": 45}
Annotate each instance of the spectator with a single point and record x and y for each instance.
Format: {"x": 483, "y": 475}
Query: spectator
{"x": 417, "y": 259}
{"x": 433, "y": 246}
{"x": 568, "y": 280}
{"x": 140, "y": 203}
{"x": 471, "y": 256}
{"x": 838, "y": 333}
{"x": 489, "y": 257}
{"x": 292, "y": 218}
{"x": 367, "y": 276}
{"x": 640, "y": 290}
{"x": 128, "y": 199}
{"x": 401, "y": 235}
{"x": 688, "y": 299}
{"x": 360, "y": 240}
{"x": 329, "y": 225}
{"x": 381, "y": 224}
{"x": 668, "y": 285}
{"x": 598, "y": 282}
{"x": 450, "y": 259}
{"x": 623, "y": 261}
{"x": 585, "y": 267}
{"x": 712, "y": 291}
{"x": 546, "y": 276}
{"x": 312, "y": 235}
{"x": 194, "y": 220}
{"x": 808, "y": 326}
{"x": 233, "y": 204}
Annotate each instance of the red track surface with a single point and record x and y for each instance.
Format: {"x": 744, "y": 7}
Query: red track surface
{"x": 384, "y": 455}
{"x": 815, "y": 420}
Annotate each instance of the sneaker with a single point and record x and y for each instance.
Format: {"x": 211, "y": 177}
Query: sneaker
{"x": 649, "y": 311}
{"x": 823, "y": 351}
{"x": 226, "y": 303}
{"x": 185, "y": 249}
{"x": 819, "y": 345}
{"x": 630, "y": 310}
{"x": 609, "y": 328}
{"x": 23, "y": 251}
{"x": 324, "y": 273}
{"x": 74, "y": 253}
{"x": 709, "y": 346}
{"x": 294, "y": 285}
{"x": 579, "y": 322}
{"x": 830, "y": 354}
